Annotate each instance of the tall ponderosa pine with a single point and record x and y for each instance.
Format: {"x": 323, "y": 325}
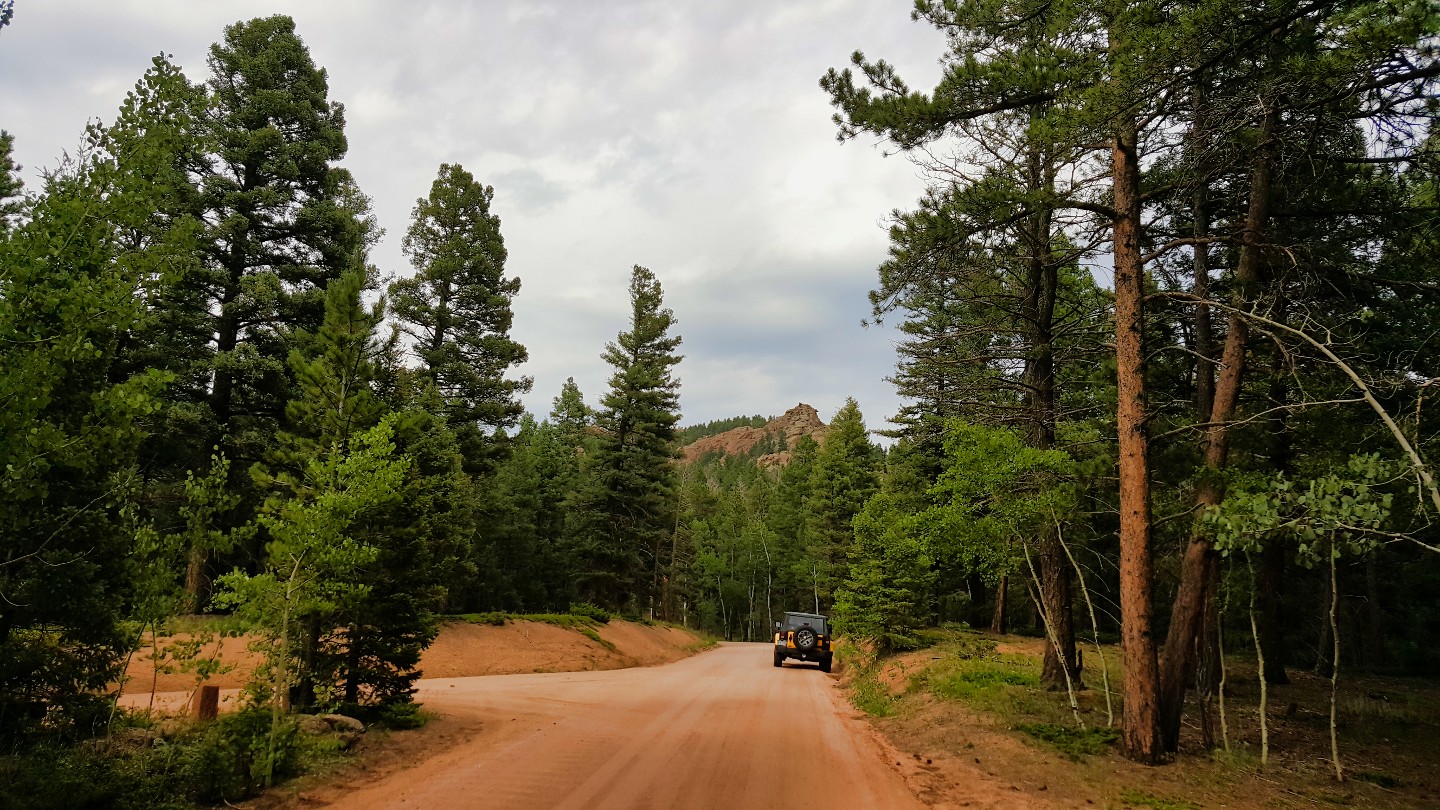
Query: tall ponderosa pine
{"x": 621, "y": 559}
{"x": 845, "y": 475}
{"x": 282, "y": 219}
{"x": 457, "y": 307}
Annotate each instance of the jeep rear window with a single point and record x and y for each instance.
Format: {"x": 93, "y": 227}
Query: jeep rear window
{"x": 796, "y": 622}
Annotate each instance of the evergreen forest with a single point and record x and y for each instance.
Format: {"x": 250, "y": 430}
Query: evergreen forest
{"x": 1167, "y": 313}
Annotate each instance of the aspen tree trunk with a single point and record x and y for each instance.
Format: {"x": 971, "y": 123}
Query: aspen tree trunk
{"x": 1140, "y": 722}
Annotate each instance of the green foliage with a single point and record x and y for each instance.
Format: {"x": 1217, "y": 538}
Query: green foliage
{"x": 590, "y": 611}
{"x": 994, "y": 493}
{"x": 494, "y": 619}
{"x": 1139, "y": 798}
{"x": 1340, "y": 513}
{"x": 844, "y": 476}
{"x": 457, "y": 308}
{"x": 633, "y": 497}
{"x": 1074, "y": 743}
{"x": 1383, "y": 780}
{"x": 688, "y": 435}
{"x": 871, "y": 696}
{"x": 216, "y": 763}
{"x": 885, "y": 598}
{"x": 317, "y": 553}
{"x": 69, "y": 439}
{"x": 11, "y": 186}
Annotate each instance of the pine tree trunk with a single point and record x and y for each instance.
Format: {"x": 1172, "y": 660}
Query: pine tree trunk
{"x": 1209, "y": 667}
{"x": 1271, "y": 608}
{"x": 1189, "y": 605}
{"x": 352, "y": 668}
{"x": 1059, "y": 600}
{"x": 998, "y": 619}
{"x": 1140, "y": 723}
{"x": 197, "y": 583}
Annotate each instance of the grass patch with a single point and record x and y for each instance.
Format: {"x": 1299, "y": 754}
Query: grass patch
{"x": 595, "y": 612}
{"x": 593, "y": 635}
{"x": 189, "y": 766}
{"x": 494, "y": 619}
{"x": 987, "y": 682}
{"x": 871, "y": 696}
{"x": 1074, "y": 743}
{"x": 1383, "y": 780}
{"x": 1138, "y": 798}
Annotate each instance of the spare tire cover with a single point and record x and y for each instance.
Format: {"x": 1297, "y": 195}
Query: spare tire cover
{"x": 806, "y": 638}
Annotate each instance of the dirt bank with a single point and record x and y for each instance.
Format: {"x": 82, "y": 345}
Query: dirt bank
{"x": 461, "y": 650}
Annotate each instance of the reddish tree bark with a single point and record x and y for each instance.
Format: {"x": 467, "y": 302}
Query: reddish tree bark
{"x": 1140, "y": 725}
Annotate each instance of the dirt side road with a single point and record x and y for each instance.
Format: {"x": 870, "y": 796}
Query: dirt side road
{"x": 723, "y": 729}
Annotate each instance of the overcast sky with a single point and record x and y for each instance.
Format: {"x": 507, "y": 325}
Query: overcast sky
{"x": 691, "y": 138}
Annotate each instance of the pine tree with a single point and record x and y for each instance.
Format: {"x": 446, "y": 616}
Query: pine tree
{"x": 786, "y": 521}
{"x": 457, "y": 307}
{"x": 634, "y": 495}
{"x": 283, "y": 219}
{"x": 69, "y": 438}
{"x": 846, "y": 474}
{"x": 11, "y": 186}
{"x": 336, "y": 398}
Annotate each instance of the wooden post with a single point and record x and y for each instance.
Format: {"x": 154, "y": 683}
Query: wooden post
{"x": 205, "y": 705}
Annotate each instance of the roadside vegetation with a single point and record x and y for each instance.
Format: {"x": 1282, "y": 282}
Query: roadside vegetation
{"x": 1166, "y": 358}
{"x": 966, "y": 698}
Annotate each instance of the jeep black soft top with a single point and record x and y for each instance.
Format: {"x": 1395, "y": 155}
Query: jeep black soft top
{"x": 804, "y": 636}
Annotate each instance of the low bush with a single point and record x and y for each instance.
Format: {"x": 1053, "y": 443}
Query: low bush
{"x": 588, "y": 610}
{"x": 220, "y": 762}
{"x": 494, "y": 619}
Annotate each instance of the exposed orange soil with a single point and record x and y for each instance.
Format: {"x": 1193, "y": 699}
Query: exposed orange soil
{"x": 464, "y": 649}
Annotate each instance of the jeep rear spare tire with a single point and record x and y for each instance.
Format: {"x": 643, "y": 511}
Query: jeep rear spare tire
{"x": 805, "y": 639}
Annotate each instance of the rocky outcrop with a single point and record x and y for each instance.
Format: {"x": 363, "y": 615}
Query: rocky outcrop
{"x": 782, "y": 433}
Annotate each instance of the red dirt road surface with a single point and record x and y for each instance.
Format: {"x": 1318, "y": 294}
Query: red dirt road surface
{"x": 723, "y": 729}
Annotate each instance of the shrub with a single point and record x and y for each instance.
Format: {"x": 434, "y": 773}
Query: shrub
{"x": 234, "y": 754}
{"x": 221, "y": 762}
{"x": 494, "y": 619}
{"x": 588, "y": 610}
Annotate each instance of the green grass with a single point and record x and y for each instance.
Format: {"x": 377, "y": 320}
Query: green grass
{"x": 1074, "y": 743}
{"x": 1137, "y": 798}
{"x": 1383, "y": 780}
{"x": 871, "y": 696}
{"x": 590, "y": 633}
{"x": 494, "y": 619}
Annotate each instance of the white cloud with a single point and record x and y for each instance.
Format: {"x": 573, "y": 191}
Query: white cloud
{"x": 690, "y": 138}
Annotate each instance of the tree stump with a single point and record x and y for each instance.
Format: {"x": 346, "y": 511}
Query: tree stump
{"x": 205, "y": 705}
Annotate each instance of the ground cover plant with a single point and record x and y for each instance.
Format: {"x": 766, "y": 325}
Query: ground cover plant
{"x": 971, "y": 697}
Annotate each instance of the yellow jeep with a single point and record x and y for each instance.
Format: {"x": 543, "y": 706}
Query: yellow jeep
{"x": 805, "y": 636}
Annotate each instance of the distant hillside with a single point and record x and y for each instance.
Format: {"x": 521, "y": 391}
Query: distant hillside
{"x": 686, "y": 435}
{"x": 770, "y": 441}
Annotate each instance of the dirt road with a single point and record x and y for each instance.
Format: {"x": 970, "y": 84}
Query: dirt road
{"x": 723, "y": 729}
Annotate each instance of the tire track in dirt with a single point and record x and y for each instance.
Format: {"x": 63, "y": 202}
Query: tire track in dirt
{"x": 723, "y": 729}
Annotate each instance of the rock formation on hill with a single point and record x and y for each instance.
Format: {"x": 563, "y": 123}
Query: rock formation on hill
{"x": 783, "y": 431}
